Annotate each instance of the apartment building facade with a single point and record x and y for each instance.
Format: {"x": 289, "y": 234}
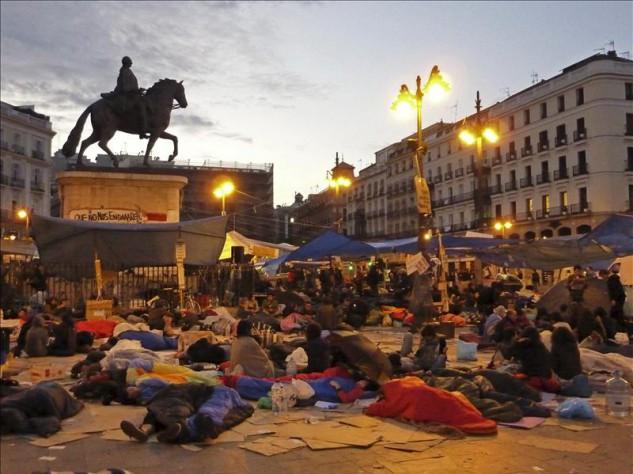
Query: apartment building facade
{"x": 25, "y": 165}
{"x": 563, "y": 163}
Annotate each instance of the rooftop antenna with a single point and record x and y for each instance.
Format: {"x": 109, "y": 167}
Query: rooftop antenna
{"x": 454, "y": 107}
{"x": 600, "y": 50}
{"x": 612, "y": 44}
{"x": 534, "y": 76}
{"x": 506, "y": 91}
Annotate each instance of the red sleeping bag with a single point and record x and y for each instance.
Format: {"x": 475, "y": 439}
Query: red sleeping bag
{"x": 413, "y": 400}
{"x": 99, "y": 327}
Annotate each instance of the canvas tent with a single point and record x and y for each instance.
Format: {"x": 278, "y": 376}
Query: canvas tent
{"x": 331, "y": 244}
{"x": 257, "y": 248}
{"x": 121, "y": 246}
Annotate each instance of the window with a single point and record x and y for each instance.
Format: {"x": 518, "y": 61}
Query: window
{"x": 580, "y": 124}
{"x": 629, "y": 124}
{"x": 542, "y": 138}
{"x": 560, "y": 100}
{"x": 36, "y": 176}
{"x": 580, "y": 96}
{"x": 441, "y": 221}
{"x": 582, "y": 198}
{"x": 544, "y": 167}
{"x": 630, "y": 197}
{"x": 513, "y": 209}
{"x": 527, "y": 142}
{"x": 628, "y": 90}
{"x": 562, "y": 163}
{"x": 513, "y": 177}
{"x": 544, "y": 110}
{"x": 528, "y": 172}
{"x": 461, "y": 217}
{"x": 498, "y": 211}
{"x": 529, "y": 205}
{"x": 564, "y": 200}
{"x": 629, "y": 158}
{"x": 526, "y": 117}
{"x": 545, "y": 203}
{"x": 15, "y": 171}
{"x": 450, "y": 219}
{"x": 512, "y": 147}
{"x": 511, "y": 122}
{"x": 561, "y": 132}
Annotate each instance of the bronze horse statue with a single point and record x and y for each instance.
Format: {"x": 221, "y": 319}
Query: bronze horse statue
{"x": 107, "y": 120}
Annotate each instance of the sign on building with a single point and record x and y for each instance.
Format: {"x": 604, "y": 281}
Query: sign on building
{"x": 111, "y": 216}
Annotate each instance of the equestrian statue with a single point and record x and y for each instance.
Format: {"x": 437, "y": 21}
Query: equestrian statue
{"x": 129, "y": 109}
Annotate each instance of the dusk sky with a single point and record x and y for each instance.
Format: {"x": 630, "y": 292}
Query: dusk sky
{"x": 292, "y": 83}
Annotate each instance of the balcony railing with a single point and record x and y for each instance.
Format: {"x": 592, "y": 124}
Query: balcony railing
{"x": 542, "y": 178}
{"x": 469, "y": 169}
{"x": 511, "y": 186}
{"x": 19, "y": 149}
{"x": 560, "y": 174}
{"x": 526, "y": 182}
{"x": 578, "y": 170}
{"x": 37, "y": 154}
{"x": 448, "y": 175}
{"x": 5, "y": 180}
{"x": 510, "y": 156}
{"x": 495, "y": 189}
{"x": 580, "y": 134}
{"x": 560, "y": 140}
{"x": 581, "y": 208}
{"x": 526, "y": 151}
{"x": 37, "y": 186}
{"x": 17, "y": 182}
{"x": 543, "y": 146}
{"x": 628, "y": 131}
{"x": 459, "y": 172}
{"x": 4, "y": 145}
{"x": 524, "y": 216}
{"x": 496, "y": 160}
{"x": 437, "y": 179}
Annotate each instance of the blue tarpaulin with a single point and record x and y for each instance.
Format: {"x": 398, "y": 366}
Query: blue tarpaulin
{"x": 331, "y": 244}
{"x": 451, "y": 244}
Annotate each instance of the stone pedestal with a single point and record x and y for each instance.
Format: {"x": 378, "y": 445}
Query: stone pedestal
{"x": 120, "y": 197}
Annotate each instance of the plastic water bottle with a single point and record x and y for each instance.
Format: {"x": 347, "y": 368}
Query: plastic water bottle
{"x": 276, "y": 397}
{"x": 618, "y": 395}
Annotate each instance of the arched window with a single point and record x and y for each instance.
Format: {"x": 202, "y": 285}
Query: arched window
{"x": 547, "y": 233}
{"x": 563, "y": 231}
{"x": 583, "y": 229}
{"x": 515, "y": 236}
{"x": 530, "y": 235}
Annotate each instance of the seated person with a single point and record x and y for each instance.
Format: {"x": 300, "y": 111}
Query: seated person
{"x": 243, "y": 310}
{"x": 565, "y": 353}
{"x": 64, "y": 337}
{"x": 168, "y": 326}
{"x": 534, "y": 360}
{"x": 252, "y": 305}
{"x": 27, "y": 321}
{"x": 327, "y": 316}
{"x": 491, "y": 322}
{"x": 37, "y": 338}
{"x": 308, "y": 310}
{"x": 318, "y": 350}
{"x": 247, "y": 357}
{"x": 270, "y": 306}
{"x": 432, "y": 352}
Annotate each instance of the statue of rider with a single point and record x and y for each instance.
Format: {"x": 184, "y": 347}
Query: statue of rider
{"x": 127, "y": 86}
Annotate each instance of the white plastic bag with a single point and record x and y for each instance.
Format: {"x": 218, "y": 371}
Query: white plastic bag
{"x": 299, "y": 357}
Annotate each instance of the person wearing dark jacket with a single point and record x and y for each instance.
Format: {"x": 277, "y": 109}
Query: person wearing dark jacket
{"x": 535, "y": 361}
{"x": 65, "y": 337}
{"x": 36, "y": 338}
{"x": 327, "y": 315}
{"x": 318, "y": 350}
{"x": 617, "y": 296}
{"x": 27, "y": 322}
{"x": 565, "y": 354}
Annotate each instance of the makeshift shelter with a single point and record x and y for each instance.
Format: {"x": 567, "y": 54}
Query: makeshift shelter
{"x": 452, "y": 244}
{"x": 121, "y": 246}
{"x": 331, "y": 244}
{"x": 256, "y": 248}
{"x": 595, "y": 295}
{"x": 363, "y": 354}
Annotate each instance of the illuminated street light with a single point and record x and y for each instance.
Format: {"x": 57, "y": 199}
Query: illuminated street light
{"x": 222, "y": 191}
{"x": 476, "y": 135}
{"x": 502, "y": 227}
{"x": 23, "y": 214}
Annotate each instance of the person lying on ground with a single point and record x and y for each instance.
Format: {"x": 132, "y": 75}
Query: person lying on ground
{"x": 167, "y": 412}
{"x": 247, "y": 357}
{"x": 37, "y": 410}
{"x": 64, "y": 343}
{"x": 36, "y": 338}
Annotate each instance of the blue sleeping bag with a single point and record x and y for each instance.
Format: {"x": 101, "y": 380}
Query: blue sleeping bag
{"x": 253, "y": 388}
{"x": 151, "y": 341}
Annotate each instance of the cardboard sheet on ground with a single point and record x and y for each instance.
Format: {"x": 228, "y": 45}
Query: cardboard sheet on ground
{"x": 394, "y": 432}
{"x": 415, "y": 447}
{"x": 557, "y": 444}
{"x": 226, "y": 437}
{"x": 330, "y": 431}
{"x": 361, "y": 421}
{"x": 578, "y": 428}
{"x": 96, "y": 420}
{"x": 436, "y": 463}
{"x": 526, "y": 423}
{"x": 264, "y": 449}
{"x": 318, "y": 445}
{"x": 57, "y": 439}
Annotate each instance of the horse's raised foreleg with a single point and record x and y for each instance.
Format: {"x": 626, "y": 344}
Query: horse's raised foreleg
{"x": 103, "y": 144}
{"x": 174, "y": 139}
{"x": 93, "y": 138}
{"x": 150, "y": 145}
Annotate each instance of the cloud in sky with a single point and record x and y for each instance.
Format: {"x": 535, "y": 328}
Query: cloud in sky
{"x": 289, "y": 82}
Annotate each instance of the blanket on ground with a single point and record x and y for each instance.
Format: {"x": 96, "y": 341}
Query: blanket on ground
{"x": 100, "y": 328}
{"x": 593, "y": 361}
{"x": 150, "y": 340}
{"x": 220, "y": 412}
{"x": 123, "y": 352}
{"x": 413, "y": 400}
{"x": 39, "y": 409}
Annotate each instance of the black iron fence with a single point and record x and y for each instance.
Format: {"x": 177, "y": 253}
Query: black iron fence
{"x": 25, "y": 282}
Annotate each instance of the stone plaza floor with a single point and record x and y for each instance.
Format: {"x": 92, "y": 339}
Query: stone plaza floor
{"x": 602, "y": 446}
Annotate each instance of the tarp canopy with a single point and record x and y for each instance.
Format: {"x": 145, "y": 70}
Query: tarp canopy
{"x": 257, "y": 248}
{"x": 451, "y": 243}
{"x": 332, "y": 244}
{"x": 121, "y": 246}
{"x": 613, "y": 238}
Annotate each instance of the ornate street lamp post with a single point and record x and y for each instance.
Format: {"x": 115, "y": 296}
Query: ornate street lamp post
{"x": 222, "y": 191}
{"x": 435, "y": 87}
